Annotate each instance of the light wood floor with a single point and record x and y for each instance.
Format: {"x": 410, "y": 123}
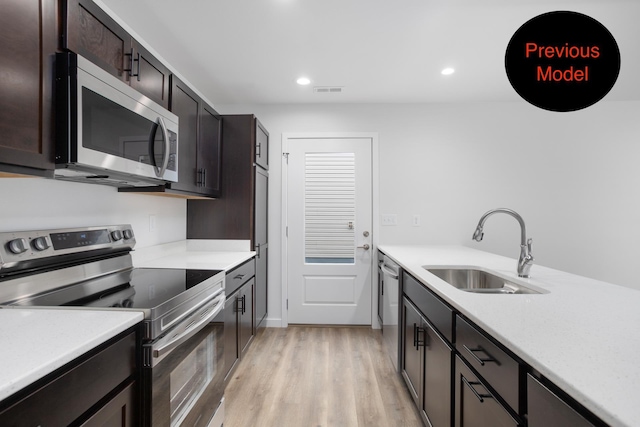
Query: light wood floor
{"x": 318, "y": 377}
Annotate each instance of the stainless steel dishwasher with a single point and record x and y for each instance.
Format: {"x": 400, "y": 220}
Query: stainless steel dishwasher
{"x": 390, "y": 297}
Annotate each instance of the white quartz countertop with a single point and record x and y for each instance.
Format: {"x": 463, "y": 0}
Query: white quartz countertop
{"x": 193, "y": 254}
{"x": 36, "y": 342}
{"x": 583, "y": 334}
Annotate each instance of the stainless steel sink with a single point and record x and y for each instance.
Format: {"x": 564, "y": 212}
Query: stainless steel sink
{"x": 479, "y": 281}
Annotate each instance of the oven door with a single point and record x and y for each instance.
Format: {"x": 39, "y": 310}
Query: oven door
{"x": 184, "y": 371}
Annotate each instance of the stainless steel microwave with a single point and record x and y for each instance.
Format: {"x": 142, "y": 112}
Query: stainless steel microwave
{"x": 109, "y": 133}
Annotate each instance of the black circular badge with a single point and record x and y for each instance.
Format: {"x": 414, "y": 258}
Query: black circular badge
{"x": 562, "y": 61}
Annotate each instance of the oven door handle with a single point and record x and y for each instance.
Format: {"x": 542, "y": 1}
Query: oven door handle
{"x": 207, "y": 314}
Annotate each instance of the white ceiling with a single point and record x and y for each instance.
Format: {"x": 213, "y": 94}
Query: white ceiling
{"x": 379, "y": 51}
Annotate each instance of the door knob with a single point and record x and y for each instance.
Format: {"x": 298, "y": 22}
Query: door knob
{"x": 365, "y": 247}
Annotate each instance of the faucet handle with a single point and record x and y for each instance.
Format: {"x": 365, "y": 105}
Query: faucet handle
{"x": 529, "y": 248}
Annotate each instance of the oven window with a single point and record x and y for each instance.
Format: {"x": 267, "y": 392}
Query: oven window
{"x": 191, "y": 377}
{"x": 110, "y": 128}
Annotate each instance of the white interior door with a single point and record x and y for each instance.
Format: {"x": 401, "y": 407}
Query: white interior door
{"x": 329, "y": 220}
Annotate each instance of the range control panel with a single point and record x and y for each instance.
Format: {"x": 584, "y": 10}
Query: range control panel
{"x": 24, "y": 246}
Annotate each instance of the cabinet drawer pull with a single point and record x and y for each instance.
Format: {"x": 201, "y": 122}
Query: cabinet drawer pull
{"x": 238, "y": 276}
{"x": 480, "y": 397}
{"x": 479, "y": 360}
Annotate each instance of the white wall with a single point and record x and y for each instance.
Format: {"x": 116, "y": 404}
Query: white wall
{"x": 35, "y": 204}
{"x": 572, "y": 176}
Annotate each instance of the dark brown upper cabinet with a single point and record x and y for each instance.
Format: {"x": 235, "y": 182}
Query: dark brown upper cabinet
{"x": 186, "y": 105}
{"x": 88, "y": 31}
{"x": 262, "y": 147}
{"x": 210, "y": 151}
{"x": 28, "y": 44}
{"x": 199, "y": 143}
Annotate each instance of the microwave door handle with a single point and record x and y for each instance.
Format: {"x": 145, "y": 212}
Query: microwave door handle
{"x": 167, "y": 149}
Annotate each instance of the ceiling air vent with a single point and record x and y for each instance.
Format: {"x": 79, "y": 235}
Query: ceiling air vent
{"x": 327, "y": 89}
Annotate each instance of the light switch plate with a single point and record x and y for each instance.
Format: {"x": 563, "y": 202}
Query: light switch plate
{"x": 390, "y": 219}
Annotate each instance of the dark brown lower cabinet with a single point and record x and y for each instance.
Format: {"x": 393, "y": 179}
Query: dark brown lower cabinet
{"x": 261, "y": 285}
{"x": 412, "y": 355}
{"x": 546, "y": 409}
{"x": 238, "y": 314}
{"x": 245, "y": 307}
{"x": 426, "y": 367}
{"x": 475, "y": 405}
{"x": 230, "y": 319}
{"x": 478, "y": 382}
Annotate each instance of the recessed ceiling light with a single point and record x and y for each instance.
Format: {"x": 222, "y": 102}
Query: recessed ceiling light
{"x": 448, "y": 71}
{"x": 303, "y": 81}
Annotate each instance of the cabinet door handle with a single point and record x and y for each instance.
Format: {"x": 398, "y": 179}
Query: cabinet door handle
{"x": 259, "y": 149}
{"x": 480, "y": 397}
{"x": 415, "y": 336}
{"x": 201, "y": 180}
{"x": 240, "y": 305}
{"x": 130, "y": 69}
{"x": 257, "y": 250}
{"x": 479, "y": 360}
{"x": 137, "y": 74}
{"x": 244, "y": 305}
{"x": 131, "y": 61}
{"x": 423, "y": 342}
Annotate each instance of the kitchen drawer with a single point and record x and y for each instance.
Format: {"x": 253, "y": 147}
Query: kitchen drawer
{"x": 475, "y": 404}
{"x": 499, "y": 369}
{"x": 239, "y": 275}
{"x": 436, "y": 311}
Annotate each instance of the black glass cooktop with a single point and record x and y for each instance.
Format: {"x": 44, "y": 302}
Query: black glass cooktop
{"x": 142, "y": 288}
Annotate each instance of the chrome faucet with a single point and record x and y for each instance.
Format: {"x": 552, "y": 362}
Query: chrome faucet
{"x": 526, "y": 259}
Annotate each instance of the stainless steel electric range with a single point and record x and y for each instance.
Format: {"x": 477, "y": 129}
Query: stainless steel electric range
{"x": 182, "y": 348}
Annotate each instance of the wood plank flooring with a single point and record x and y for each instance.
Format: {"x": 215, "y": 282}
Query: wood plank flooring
{"x": 304, "y": 376}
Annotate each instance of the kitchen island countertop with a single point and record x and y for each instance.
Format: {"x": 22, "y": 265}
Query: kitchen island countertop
{"x": 582, "y": 334}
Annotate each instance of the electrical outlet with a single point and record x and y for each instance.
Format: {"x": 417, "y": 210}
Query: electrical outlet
{"x": 390, "y": 219}
{"x": 152, "y": 223}
{"x": 416, "y": 221}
